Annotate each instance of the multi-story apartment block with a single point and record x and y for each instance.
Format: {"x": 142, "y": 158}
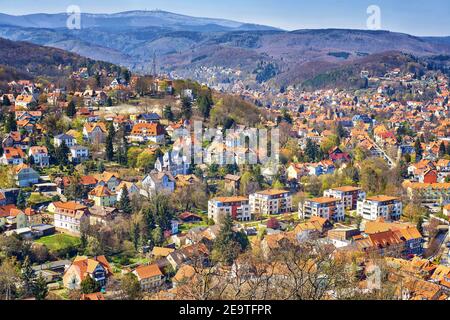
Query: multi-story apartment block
{"x": 388, "y": 208}
{"x": 270, "y": 202}
{"x": 326, "y": 207}
{"x": 348, "y": 195}
{"x": 429, "y": 194}
{"x": 237, "y": 207}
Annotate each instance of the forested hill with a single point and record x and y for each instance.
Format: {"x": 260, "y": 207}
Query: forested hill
{"x": 23, "y": 60}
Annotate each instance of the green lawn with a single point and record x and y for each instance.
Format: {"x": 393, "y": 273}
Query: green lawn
{"x": 188, "y": 226}
{"x": 59, "y": 242}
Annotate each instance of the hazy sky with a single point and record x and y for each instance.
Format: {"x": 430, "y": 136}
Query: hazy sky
{"x": 418, "y": 17}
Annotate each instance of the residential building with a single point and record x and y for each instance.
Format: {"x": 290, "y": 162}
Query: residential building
{"x": 97, "y": 268}
{"x": 348, "y": 195}
{"x": 236, "y": 207}
{"x": 101, "y": 215}
{"x": 40, "y": 156}
{"x": 173, "y": 162}
{"x": 69, "y": 140}
{"x": 103, "y": 197}
{"x": 109, "y": 179}
{"x": 411, "y": 237}
{"x": 232, "y": 183}
{"x": 386, "y": 243}
{"x": 95, "y": 132}
{"x": 158, "y": 182}
{"x": 69, "y": 216}
{"x": 78, "y": 154}
{"x": 12, "y": 156}
{"x": 150, "y": 277}
{"x": 314, "y": 227}
{"x": 429, "y": 194}
{"x": 147, "y": 132}
{"x": 25, "y": 176}
{"x": 270, "y": 202}
{"x": 133, "y": 189}
{"x": 328, "y": 208}
{"x": 373, "y": 208}
{"x": 148, "y": 118}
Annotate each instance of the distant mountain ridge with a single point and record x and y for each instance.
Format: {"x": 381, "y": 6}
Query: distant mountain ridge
{"x": 129, "y": 19}
{"x": 214, "y": 50}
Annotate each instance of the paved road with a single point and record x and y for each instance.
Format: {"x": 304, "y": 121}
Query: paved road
{"x": 442, "y": 249}
{"x": 390, "y": 162}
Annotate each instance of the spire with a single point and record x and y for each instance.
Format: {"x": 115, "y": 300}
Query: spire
{"x": 154, "y": 64}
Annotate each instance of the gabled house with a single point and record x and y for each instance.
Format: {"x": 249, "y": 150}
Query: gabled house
{"x": 296, "y": 171}
{"x": 150, "y": 277}
{"x": 147, "y": 132}
{"x": 25, "y": 101}
{"x": 14, "y": 140}
{"x": 193, "y": 254}
{"x": 40, "y": 156}
{"x": 172, "y": 162}
{"x": 12, "y": 156}
{"x": 69, "y": 216}
{"x": 25, "y": 176}
{"x": 109, "y": 179}
{"x": 103, "y": 197}
{"x": 97, "y": 268}
{"x": 158, "y": 182}
{"x": 101, "y": 215}
{"x": 78, "y": 154}
{"x": 95, "y": 132}
{"x": 148, "y": 118}
{"x": 133, "y": 189}
{"x": 429, "y": 176}
{"x": 232, "y": 183}
{"x": 69, "y": 140}
{"x": 336, "y": 155}
{"x": 182, "y": 181}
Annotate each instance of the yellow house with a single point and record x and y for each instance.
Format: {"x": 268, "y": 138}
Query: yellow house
{"x": 103, "y": 197}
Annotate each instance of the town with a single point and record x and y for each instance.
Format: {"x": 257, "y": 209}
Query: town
{"x": 96, "y": 203}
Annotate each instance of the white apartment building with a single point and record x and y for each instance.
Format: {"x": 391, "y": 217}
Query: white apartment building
{"x": 326, "y": 207}
{"x": 348, "y": 195}
{"x": 270, "y": 202}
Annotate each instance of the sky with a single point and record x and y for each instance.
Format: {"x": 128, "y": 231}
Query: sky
{"x": 416, "y": 17}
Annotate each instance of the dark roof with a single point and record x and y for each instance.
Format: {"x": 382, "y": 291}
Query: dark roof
{"x": 150, "y": 116}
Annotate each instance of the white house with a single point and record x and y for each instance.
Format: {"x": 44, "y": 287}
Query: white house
{"x": 69, "y": 216}
{"x": 174, "y": 163}
{"x": 68, "y": 139}
{"x": 132, "y": 188}
{"x": 159, "y": 182}
{"x": 78, "y": 154}
{"x": 40, "y": 156}
{"x": 25, "y": 176}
